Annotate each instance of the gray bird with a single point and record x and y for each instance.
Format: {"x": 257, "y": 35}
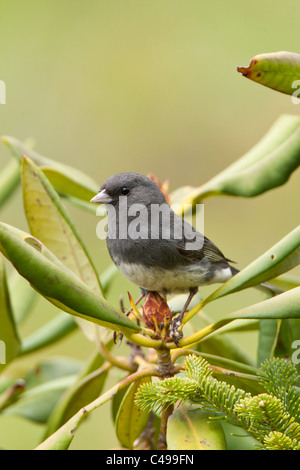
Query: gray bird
{"x": 164, "y": 253}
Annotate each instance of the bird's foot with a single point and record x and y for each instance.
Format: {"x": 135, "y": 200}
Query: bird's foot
{"x": 175, "y": 330}
{"x": 116, "y": 335}
{"x": 176, "y": 324}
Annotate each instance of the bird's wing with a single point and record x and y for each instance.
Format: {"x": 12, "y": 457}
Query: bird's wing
{"x": 212, "y": 252}
{"x": 200, "y": 247}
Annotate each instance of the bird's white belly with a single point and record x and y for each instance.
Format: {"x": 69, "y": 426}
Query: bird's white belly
{"x": 163, "y": 280}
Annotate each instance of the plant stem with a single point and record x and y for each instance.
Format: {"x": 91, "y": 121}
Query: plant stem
{"x": 119, "y": 362}
{"x": 165, "y": 364}
{"x": 141, "y": 340}
{"x": 165, "y": 414}
{"x": 63, "y": 437}
{"x": 166, "y": 369}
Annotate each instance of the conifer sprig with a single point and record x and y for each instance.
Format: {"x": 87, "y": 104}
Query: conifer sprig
{"x": 271, "y": 417}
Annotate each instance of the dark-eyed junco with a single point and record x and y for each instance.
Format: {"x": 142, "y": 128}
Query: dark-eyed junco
{"x": 151, "y": 245}
{"x": 164, "y": 253}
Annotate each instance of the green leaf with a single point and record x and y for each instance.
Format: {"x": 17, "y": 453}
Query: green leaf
{"x": 63, "y": 437}
{"x": 284, "y": 340}
{"x": 9, "y": 338}
{"x": 183, "y": 194}
{"x": 49, "y": 222}
{"x": 44, "y": 385}
{"x": 222, "y": 345}
{"x": 22, "y": 297}
{"x": 107, "y": 277}
{"x": 131, "y": 420}
{"x": 63, "y": 177}
{"x": 283, "y": 306}
{"x": 51, "y": 368}
{"x": 83, "y": 392}
{"x": 288, "y": 281}
{"x": 224, "y": 362}
{"x": 85, "y": 389}
{"x": 177, "y": 302}
{"x": 37, "y": 404}
{"x": 295, "y": 330}
{"x": 268, "y": 335}
{"x": 55, "y": 281}
{"x": 9, "y": 180}
{"x": 54, "y": 330}
{"x": 248, "y": 382}
{"x": 192, "y": 429}
{"x": 225, "y": 347}
{"x": 276, "y": 338}
{"x": 116, "y": 402}
{"x": 9, "y": 395}
{"x": 267, "y": 165}
{"x": 276, "y": 70}
{"x": 70, "y": 184}
{"x": 282, "y": 257}
{"x": 81, "y": 203}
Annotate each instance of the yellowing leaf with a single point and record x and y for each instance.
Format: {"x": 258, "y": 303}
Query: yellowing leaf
{"x": 192, "y": 429}
{"x": 68, "y": 179}
{"x": 277, "y": 70}
{"x": 66, "y": 184}
{"x": 49, "y": 222}
{"x": 131, "y": 420}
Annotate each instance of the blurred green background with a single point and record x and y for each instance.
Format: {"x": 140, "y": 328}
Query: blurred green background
{"x": 146, "y": 86}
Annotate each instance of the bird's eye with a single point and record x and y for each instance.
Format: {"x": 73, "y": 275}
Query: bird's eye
{"x": 124, "y": 191}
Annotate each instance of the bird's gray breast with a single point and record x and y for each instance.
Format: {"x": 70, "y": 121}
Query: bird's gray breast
{"x": 163, "y": 263}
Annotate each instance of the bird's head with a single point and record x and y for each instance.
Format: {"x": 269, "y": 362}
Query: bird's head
{"x": 138, "y": 189}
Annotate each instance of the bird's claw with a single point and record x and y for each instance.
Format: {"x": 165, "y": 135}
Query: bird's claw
{"x": 175, "y": 334}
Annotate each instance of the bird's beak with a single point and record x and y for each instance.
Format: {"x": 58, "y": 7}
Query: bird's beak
{"x": 102, "y": 198}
